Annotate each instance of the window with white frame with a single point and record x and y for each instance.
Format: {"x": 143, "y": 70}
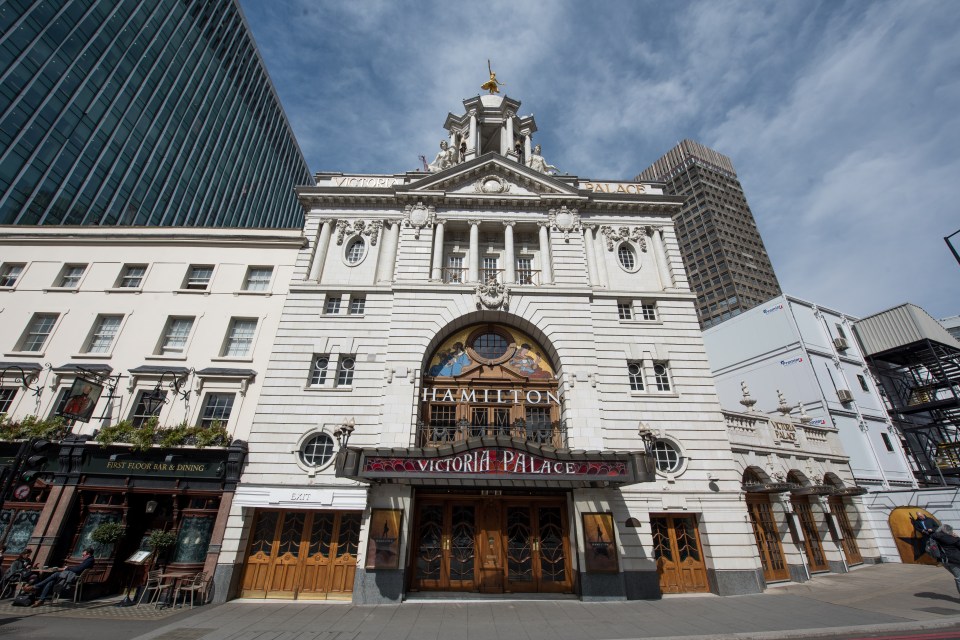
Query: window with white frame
{"x": 216, "y": 409}
{"x": 239, "y": 337}
{"x": 38, "y": 331}
{"x": 626, "y": 256}
{"x": 332, "y": 307}
{"x": 661, "y": 376}
{"x": 625, "y": 310}
{"x": 317, "y": 450}
{"x": 453, "y": 274}
{"x": 635, "y": 374}
{"x": 666, "y": 456}
{"x": 525, "y": 271}
{"x": 357, "y": 305}
{"x": 132, "y": 276}
{"x": 318, "y": 369}
{"x": 140, "y": 413}
{"x": 7, "y": 394}
{"x": 648, "y": 310}
{"x": 71, "y": 275}
{"x": 198, "y": 277}
{"x": 345, "y": 370}
{"x": 489, "y": 271}
{"x": 258, "y": 279}
{"x": 10, "y": 273}
{"x": 175, "y": 335}
{"x": 104, "y": 332}
{"x": 355, "y": 251}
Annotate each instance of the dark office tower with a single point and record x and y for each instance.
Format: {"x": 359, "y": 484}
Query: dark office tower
{"x": 722, "y": 250}
{"x": 134, "y": 112}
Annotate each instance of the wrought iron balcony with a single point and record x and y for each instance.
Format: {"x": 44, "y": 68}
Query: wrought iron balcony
{"x": 454, "y": 275}
{"x": 528, "y": 276}
{"x": 439, "y": 433}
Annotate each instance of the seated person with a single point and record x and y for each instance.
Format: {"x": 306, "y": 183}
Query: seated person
{"x": 67, "y": 574}
{"x": 19, "y": 570}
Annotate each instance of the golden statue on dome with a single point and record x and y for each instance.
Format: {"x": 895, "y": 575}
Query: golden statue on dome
{"x": 492, "y": 85}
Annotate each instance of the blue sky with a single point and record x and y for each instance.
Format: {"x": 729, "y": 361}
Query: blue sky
{"x": 842, "y": 118}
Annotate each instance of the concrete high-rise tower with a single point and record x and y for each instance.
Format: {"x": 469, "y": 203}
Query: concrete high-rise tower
{"x": 126, "y": 112}
{"x": 722, "y": 249}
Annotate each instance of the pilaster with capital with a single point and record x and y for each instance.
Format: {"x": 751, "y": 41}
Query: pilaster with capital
{"x": 588, "y": 241}
{"x": 660, "y": 255}
{"x": 320, "y": 250}
{"x": 388, "y": 251}
{"x": 436, "y": 273}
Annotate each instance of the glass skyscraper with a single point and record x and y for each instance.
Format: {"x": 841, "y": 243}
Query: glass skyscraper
{"x": 127, "y": 112}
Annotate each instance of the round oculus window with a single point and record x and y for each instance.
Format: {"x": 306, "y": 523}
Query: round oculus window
{"x": 490, "y": 345}
{"x": 355, "y": 251}
{"x": 667, "y": 457}
{"x": 628, "y": 259}
{"x": 317, "y": 450}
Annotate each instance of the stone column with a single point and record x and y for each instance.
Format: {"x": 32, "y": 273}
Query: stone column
{"x": 660, "y": 254}
{"x": 546, "y": 271}
{"x": 527, "y": 147}
{"x": 473, "y": 275}
{"x": 388, "y": 251}
{"x": 601, "y": 256}
{"x": 591, "y": 254}
{"x": 473, "y": 149}
{"x": 436, "y": 273}
{"x": 510, "y": 268}
{"x": 320, "y": 254}
{"x": 508, "y": 147}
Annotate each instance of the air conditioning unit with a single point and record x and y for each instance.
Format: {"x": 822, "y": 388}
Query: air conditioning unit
{"x": 840, "y": 344}
{"x": 844, "y": 395}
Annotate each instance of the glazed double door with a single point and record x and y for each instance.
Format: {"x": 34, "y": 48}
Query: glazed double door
{"x": 676, "y": 547}
{"x": 302, "y": 555}
{"x": 491, "y": 545}
{"x": 767, "y": 534}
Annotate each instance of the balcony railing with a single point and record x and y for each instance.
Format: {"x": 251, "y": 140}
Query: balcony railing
{"x": 528, "y": 276}
{"x": 454, "y": 275}
{"x": 436, "y": 434}
{"x": 491, "y": 275}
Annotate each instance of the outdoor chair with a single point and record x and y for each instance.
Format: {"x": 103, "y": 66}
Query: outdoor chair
{"x": 76, "y": 585}
{"x": 11, "y": 586}
{"x": 197, "y": 586}
{"x": 153, "y": 582}
{"x": 164, "y": 586}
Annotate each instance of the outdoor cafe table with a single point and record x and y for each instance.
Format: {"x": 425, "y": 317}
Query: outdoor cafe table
{"x": 175, "y": 577}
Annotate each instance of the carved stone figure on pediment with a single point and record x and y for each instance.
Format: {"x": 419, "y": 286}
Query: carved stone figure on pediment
{"x": 492, "y": 295}
{"x": 446, "y": 158}
{"x": 491, "y": 184}
{"x": 613, "y": 236}
{"x": 537, "y": 163}
{"x": 419, "y": 216}
{"x": 565, "y": 220}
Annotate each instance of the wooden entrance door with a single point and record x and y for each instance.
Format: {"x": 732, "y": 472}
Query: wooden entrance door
{"x": 491, "y": 544}
{"x": 849, "y": 542}
{"x": 676, "y": 547}
{"x": 767, "y": 535}
{"x": 302, "y": 554}
{"x": 816, "y": 559}
{"x": 445, "y": 554}
{"x": 535, "y": 543}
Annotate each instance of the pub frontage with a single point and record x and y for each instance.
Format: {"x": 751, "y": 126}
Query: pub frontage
{"x": 488, "y": 379}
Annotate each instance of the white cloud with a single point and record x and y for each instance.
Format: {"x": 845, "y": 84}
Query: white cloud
{"x": 841, "y": 117}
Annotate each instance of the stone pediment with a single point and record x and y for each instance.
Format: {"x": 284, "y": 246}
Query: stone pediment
{"x": 492, "y": 175}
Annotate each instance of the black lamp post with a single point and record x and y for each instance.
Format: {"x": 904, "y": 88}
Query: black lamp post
{"x": 157, "y": 397}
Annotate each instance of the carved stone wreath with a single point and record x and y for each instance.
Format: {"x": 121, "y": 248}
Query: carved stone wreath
{"x": 419, "y": 216}
{"x": 493, "y": 295}
{"x": 565, "y": 220}
{"x": 369, "y": 229}
{"x": 613, "y": 236}
{"x": 491, "y": 184}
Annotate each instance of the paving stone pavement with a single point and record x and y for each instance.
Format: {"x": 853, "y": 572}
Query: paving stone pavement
{"x": 104, "y": 608}
{"x": 868, "y": 599}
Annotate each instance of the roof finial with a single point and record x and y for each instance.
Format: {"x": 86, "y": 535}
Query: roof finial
{"x": 492, "y": 85}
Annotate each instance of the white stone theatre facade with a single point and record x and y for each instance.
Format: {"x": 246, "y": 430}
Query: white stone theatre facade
{"x": 488, "y": 378}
